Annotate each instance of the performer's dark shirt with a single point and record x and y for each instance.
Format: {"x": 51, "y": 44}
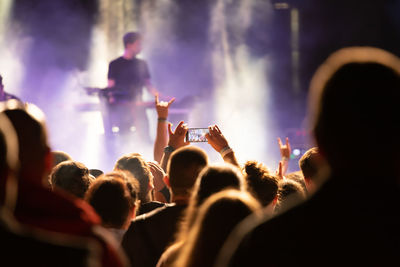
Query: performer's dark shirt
{"x": 129, "y": 76}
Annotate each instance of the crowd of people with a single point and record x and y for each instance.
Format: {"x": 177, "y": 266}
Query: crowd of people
{"x": 179, "y": 209}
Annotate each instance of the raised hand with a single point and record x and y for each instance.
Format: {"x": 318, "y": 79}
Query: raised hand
{"x": 177, "y": 137}
{"x": 216, "y": 139}
{"x": 162, "y": 107}
{"x": 285, "y": 149}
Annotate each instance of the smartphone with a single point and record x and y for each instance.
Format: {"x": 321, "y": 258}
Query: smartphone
{"x": 196, "y": 135}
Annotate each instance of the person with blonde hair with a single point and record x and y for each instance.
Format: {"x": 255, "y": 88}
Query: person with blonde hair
{"x": 217, "y": 217}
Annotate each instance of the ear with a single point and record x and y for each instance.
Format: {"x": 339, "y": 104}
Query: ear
{"x": 166, "y": 181}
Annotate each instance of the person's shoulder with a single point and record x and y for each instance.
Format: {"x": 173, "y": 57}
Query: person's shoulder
{"x": 117, "y": 60}
{"x": 165, "y": 208}
{"x": 140, "y": 61}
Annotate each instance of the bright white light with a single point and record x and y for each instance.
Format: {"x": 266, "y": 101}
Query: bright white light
{"x": 12, "y": 47}
{"x": 115, "y": 129}
{"x": 296, "y": 152}
{"x": 242, "y": 92}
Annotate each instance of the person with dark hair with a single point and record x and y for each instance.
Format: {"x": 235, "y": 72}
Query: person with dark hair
{"x": 262, "y": 185}
{"x": 309, "y": 164}
{"x": 113, "y": 197}
{"x": 140, "y": 170}
{"x": 95, "y": 172}
{"x": 41, "y": 208}
{"x": 4, "y": 96}
{"x": 211, "y": 180}
{"x": 72, "y": 177}
{"x": 150, "y": 234}
{"x": 354, "y": 216}
{"x": 127, "y": 75}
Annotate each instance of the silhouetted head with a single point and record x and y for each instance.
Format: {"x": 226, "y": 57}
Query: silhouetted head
{"x": 354, "y": 98}
{"x": 72, "y": 177}
{"x": 184, "y": 167}
{"x": 260, "y": 183}
{"x": 217, "y": 217}
{"x": 113, "y": 197}
{"x": 34, "y": 152}
{"x": 216, "y": 178}
{"x": 9, "y": 163}
{"x": 140, "y": 170}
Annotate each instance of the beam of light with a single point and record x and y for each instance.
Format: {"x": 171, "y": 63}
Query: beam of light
{"x": 241, "y": 94}
{"x": 11, "y": 49}
{"x": 294, "y": 29}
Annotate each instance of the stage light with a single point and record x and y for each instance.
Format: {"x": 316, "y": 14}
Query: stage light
{"x": 115, "y": 129}
{"x": 11, "y": 48}
{"x": 242, "y": 91}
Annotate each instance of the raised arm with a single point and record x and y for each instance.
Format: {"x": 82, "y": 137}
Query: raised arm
{"x": 161, "y": 140}
{"x": 176, "y": 140}
{"x": 218, "y": 141}
{"x": 285, "y": 156}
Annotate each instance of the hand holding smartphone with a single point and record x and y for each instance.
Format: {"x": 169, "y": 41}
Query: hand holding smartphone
{"x": 196, "y": 135}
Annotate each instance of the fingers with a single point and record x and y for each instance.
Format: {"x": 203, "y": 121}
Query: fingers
{"x": 279, "y": 142}
{"x": 279, "y": 174}
{"x": 171, "y": 101}
{"x": 217, "y": 129}
{"x": 179, "y": 127}
{"x": 156, "y": 98}
{"x": 287, "y": 143}
{"x": 169, "y": 129}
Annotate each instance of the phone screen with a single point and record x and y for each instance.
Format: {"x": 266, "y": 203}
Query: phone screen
{"x": 196, "y": 134}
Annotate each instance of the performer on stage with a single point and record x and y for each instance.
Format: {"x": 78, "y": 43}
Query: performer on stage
{"x": 127, "y": 75}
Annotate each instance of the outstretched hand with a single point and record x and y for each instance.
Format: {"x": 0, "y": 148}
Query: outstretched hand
{"x": 162, "y": 107}
{"x": 216, "y": 139}
{"x": 284, "y": 149}
{"x": 177, "y": 137}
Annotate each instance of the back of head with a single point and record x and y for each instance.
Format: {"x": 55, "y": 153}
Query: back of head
{"x": 216, "y": 219}
{"x": 113, "y": 198}
{"x": 9, "y": 163}
{"x": 183, "y": 168}
{"x": 262, "y": 185}
{"x": 308, "y": 163}
{"x": 28, "y": 122}
{"x": 212, "y": 179}
{"x": 139, "y": 169}
{"x": 72, "y": 177}
{"x": 290, "y": 193}
{"x": 216, "y": 178}
{"x": 60, "y": 156}
{"x": 354, "y": 98}
{"x": 131, "y": 37}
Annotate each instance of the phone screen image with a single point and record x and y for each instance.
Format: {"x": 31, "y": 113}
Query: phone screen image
{"x": 196, "y": 135}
